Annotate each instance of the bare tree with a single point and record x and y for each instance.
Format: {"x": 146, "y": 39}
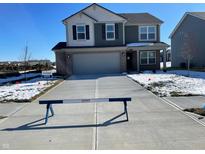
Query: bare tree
{"x": 188, "y": 48}
{"x": 25, "y": 59}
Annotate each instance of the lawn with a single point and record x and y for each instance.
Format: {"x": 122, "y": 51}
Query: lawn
{"x": 25, "y": 91}
{"x": 172, "y": 83}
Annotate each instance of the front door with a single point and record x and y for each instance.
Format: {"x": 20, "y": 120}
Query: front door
{"x": 129, "y": 61}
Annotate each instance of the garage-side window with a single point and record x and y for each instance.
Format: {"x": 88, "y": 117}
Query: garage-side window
{"x": 147, "y": 57}
{"x": 110, "y": 31}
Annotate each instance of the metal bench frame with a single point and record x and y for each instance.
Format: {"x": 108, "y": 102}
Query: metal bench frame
{"x": 49, "y": 103}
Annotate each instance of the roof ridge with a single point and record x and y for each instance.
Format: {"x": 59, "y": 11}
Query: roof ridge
{"x": 196, "y": 12}
{"x": 135, "y": 13}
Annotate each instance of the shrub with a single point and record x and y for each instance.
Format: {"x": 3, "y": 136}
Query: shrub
{"x": 183, "y": 65}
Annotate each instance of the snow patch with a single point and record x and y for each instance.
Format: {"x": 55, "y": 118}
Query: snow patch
{"x": 139, "y": 44}
{"x": 24, "y": 91}
{"x": 172, "y": 83}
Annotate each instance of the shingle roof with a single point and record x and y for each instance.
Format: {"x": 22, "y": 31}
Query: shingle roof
{"x": 63, "y": 45}
{"x": 200, "y": 15}
{"x": 141, "y": 18}
{"x": 60, "y": 45}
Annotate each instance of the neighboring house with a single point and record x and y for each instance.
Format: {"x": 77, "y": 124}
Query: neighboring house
{"x": 187, "y": 39}
{"x": 99, "y": 41}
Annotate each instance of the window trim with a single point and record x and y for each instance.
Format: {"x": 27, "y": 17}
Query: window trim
{"x": 155, "y": 37}
{"x": 77, "y": 25}
{"x": 148, "y": 63}
{"x": 110, "y": 39}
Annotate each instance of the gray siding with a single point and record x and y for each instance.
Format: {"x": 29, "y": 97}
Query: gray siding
{"x": 195, "y": 25}
{"x": 132, "y": 34}
{"x": 100, "y": 41}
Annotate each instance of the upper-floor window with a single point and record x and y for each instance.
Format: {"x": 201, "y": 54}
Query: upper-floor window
{"x": 110, "y": 31}
{"x": 80, "y": 32}
{"x": 147, "y": 33}
{"x": 147, "y": 57}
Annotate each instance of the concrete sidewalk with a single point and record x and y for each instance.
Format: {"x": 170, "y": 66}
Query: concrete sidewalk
{"x": 152, "y": 124}
{"x": 188, "y": 101}
{"x": 7, "y": 109}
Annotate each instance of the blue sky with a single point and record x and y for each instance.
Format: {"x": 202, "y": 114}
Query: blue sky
{"x": 40, "y": 24}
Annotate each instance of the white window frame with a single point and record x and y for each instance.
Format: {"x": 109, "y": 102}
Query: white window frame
{"x": 148, "y": 63}
{"x": 147, "y": 27}
{"x": 106, "y": 31}
{"x": 80, "y": 32}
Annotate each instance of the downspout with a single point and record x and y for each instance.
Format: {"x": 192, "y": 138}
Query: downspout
{"x": 138, "y": 61}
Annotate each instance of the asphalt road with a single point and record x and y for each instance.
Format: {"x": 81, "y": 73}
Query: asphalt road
{"x": 153, "y": 124}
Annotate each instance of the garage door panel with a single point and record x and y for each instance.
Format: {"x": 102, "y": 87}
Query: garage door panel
{"x": 96, "y": 63}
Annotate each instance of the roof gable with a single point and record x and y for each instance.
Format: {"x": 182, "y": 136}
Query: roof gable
{"x": 104, "y": 14}
{"x": 200, "y": 15}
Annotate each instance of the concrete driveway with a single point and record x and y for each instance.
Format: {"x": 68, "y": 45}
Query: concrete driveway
{"x": 153, "y": 124}
{"x": 188, "y": 101}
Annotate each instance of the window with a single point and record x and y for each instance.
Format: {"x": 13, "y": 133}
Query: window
{"x": 110, "y": 31}
{"x": 147, "y": 57}
{"x": 147, "y": 33}
{"x": 80, "y": 32}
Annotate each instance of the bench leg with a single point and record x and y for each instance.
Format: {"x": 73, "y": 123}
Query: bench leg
{"x": 125, "y": 109}
{"x": 51, "y": 109}
{"x": 48, "y": 107}
{"x": 47, "y": 112}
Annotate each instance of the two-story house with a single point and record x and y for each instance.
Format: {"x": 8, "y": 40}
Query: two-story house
{"x": 99, "y": 41}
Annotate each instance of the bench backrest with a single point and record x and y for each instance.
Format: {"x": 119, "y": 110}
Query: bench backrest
{"x": 92, "y": 100}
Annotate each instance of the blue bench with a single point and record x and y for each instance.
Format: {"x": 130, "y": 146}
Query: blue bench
{"x": 49, "y": 103}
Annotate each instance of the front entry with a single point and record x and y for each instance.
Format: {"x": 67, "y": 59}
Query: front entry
{"x": 131, "y": 58}
{"x": 129, "y": 62}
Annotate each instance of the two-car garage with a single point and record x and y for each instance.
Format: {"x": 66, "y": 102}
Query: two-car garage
{"x": 96, "y": 63}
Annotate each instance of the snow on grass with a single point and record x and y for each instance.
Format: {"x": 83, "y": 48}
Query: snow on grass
{"x": 172, "y": 83}
{"x": 24, "y": 91}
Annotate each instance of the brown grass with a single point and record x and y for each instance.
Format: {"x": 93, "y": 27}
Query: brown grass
{"x": 199, "y": 111}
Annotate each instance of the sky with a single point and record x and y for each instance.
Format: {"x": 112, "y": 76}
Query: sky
{"x": 40, "y": 25}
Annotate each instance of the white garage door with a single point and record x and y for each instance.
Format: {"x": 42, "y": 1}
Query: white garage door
{"x": 96, "y": 63}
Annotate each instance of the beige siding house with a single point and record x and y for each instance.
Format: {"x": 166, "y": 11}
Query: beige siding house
{"x": 100, "y": 41}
